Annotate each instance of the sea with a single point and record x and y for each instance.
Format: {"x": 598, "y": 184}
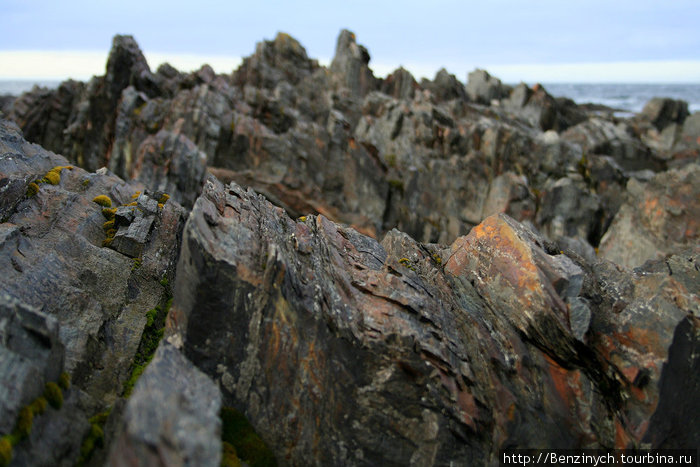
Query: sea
{"x": 626, "y": 98}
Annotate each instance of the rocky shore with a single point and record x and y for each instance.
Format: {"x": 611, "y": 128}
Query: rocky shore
{"x": 305, "y": 265}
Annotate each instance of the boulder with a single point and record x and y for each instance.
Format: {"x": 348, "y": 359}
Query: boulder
{"x": 484, "y": 88}
{"x": 661, "y": 112}
{"x": 172, "y": 417}
{"x": 655, "y": 219}
{"x": 445, "y": 86}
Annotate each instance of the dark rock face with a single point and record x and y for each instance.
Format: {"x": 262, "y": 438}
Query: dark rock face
{"x": 656, "y": 218}
{"x": 32, "y": 355}
{"x": 91, "y": 300}
{"x": 498, "y": 326}
{"x": 172, "y": 418}
{"x": 376, "y": 353}
{"x": 663, "y": 111}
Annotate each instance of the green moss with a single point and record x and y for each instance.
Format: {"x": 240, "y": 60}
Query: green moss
{"x": 54, "y": 178}
{"x": 32, "y": 189}
{"x": 103, "y": 201}
{"x": 25, "y": 419}
{"x": 94, "y": 439}
{"x": 437, "y": 258}
{"x": 250, "y": 448}
{"x": 109, "y": 225}
{"x": 164, "y": 282}
{"x": 39, "y": 405}
{"x": 107, "y": 241}
{"x": 136, "y": 263}
{"x": 5, "y": 451}
{"x": 64, "y": 381}
{"x": 86, "y": 183}
{"x": 164, "y": 198}
{"x": 152, "y": 334}
{"x": 53, "y": 395}
{"x": 229, "y": 457}
{"x": 109, "y": 213}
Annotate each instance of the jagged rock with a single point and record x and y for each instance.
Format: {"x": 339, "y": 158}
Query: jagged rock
{"x": 171, "y": 163}
{"x": 31, "y": 354}
{"x": 534, "y": 105}
{"x": 283, "y": 59}
{"x": 661, "y": 112}
{"x": 656, "y": 218}
{"x": 603, "y": 137}
{"x": 569, "y": 209}
{"x": 376, "y": 355}
{"x": 53, "y": 259}
{"x": 172, "y": 417}
{"x": 445, "y": 86}
{"x": 400, "y": 84}
{"x": 484, "y": 88}
{"x": 350, "y": 66}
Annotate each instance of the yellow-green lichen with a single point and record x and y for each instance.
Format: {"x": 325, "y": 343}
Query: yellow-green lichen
{"x": 109, "y": 213}
{"x": 54, "y": 178}
{"x": 160, "y": 205}
{"x": 23, "y": 426}
{"x": 229, "y": 457}
{"x": 407, "y": 262}
{"x": 136, "y": 263}
{"x": 103, "y": 201}
{"x": 164, "y": 198}
{"x": 249, "y": 447}
{"x": 94, "y": 438}
{"x": 437, "y": 258}
{"x": 39, "y": 405}
{"x": 53, "y": 395}
{"x": 5, "y": 451}
{"x": 136, "y": 195}
{"x": 64, "y": 381}
{"x": 302, "y": 219}
{"x": 32, "y": 189}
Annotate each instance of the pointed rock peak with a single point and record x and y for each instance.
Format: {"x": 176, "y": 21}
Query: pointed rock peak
{"x": 400, "y": 84}
{"x": 126, "y": 66}
{"x": 287, "y": 45}
{"x": 347, "y": 48}
{"x": 350, "y": 65}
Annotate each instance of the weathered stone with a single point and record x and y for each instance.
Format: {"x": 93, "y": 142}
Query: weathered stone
{"x": 350, "y": 66}
{"x": 484, "y": 88}
{"x": 445, "y": 86}
{"x": 655, "y": 219}
{"x": 400, "y": 84}
{"x": 663, "y": 111}
{"x": 172, "y": 417}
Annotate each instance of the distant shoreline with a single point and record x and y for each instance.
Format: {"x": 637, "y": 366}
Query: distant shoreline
{"x": 629, "y": 97}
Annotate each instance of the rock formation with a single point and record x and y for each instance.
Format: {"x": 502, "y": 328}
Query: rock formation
{"x": 372, "y": 271}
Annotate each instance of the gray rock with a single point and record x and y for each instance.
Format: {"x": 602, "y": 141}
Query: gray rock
{"x": 350, "y": 66}
{"x": 663, "y": 111}
{"x": 484, "y": 88}
{"x": 171, "y": 418}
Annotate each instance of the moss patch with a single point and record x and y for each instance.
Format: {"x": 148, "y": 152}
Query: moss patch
{"x": 95, "y": 437}
{"x": 152, "y": 334}
{"x": 53, "y": 395}
{"x": 32, "y": 189}
{"x": 5, "y": 451}
{"x": 64, "y": 381}
{"x": 163, "y": 198}
{"x": 249, "y": 447}
{"x": 103, "y": 200}
{"x": 25, "y": 419}
{"x": 229, "y": 457}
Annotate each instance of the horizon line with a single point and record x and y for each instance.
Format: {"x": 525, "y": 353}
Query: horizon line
{"x": 81, "y": 65}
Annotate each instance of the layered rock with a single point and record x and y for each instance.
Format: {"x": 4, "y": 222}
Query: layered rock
{"x": 90, "y": 299}
{"x": 657, "y": 218}
{"x": 401, "y": 352}
{"x": 172, "y": 418}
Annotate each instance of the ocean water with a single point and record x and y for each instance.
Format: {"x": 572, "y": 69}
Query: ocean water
{"x": 629, "y": 98}
{"x": 626, "y": 97}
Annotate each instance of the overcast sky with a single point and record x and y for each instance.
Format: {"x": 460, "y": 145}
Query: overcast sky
{"x": 544, "y": 40}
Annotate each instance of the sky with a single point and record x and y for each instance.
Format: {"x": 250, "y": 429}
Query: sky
{"x": 531, "y": 41}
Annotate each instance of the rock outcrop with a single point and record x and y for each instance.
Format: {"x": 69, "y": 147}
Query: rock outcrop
{"x": 489, "y": 315}
{"x": 404, "y": 353}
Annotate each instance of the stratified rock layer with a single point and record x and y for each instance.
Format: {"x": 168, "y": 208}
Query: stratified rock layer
{"x": 342, "y": 350}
